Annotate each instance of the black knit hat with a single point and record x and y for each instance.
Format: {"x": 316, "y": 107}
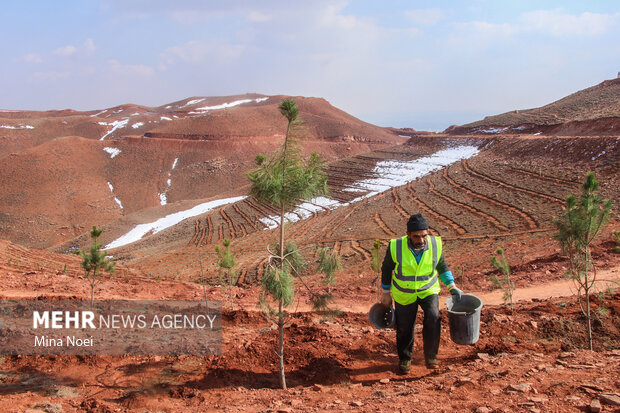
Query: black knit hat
{"x": 416, "y": 223}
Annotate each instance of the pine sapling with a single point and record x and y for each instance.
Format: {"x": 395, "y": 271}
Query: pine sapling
{"x": 227, "y": 261}
{"x": 504, "y": 282}
{"x": 616, "y": 237}
{"x": 284, "y": 180}
{"x": 582, "y": 220}
{"x": 95, "y": 261}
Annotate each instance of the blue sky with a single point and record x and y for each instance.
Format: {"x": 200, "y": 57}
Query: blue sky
{"x": 419, "y": 64}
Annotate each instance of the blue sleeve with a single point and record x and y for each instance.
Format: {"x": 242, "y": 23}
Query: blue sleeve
{"x": 446, "y": 277}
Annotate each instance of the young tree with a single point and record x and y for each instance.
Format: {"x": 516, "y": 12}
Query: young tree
{"x": 582, "y": 221}
{"x": 284, "y": 180}
{"x": 500, "y": 262}
{"x": 227, "y": 261}
{"x": 95, "y": 261}
{"x": 616, "y": 237}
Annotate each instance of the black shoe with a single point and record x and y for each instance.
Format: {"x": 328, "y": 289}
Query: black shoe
{"x": 404, "y": 366}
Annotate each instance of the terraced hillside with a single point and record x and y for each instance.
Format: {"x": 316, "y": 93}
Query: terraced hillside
{"x": 592, "y": 111}
{"x": 66, "y": 171}
{"x": 506, "y": 194}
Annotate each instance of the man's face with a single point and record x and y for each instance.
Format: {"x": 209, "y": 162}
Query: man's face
{"x": 418, "y": 238}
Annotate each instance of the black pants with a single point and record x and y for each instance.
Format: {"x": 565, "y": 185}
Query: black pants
{"x": 431, "y": 327}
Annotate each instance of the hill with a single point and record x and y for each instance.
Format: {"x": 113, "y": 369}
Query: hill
{"x": 182, "y": 194}
{"x": 111, "y": 163}
{"x": 592, "y": 111}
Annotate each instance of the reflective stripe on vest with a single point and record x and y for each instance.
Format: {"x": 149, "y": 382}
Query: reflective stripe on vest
{"x": 408, "y": 287}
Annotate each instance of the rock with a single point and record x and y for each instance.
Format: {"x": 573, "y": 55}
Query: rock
{"x": 610, "y": 398}
{"x": 384, "y": 381}
{"x": 534, "y": 324}
{"x": 355, "y": 385}
{"x": 566, "y": 354}
{"x": 484, "y": 356}
{"x": 595, "y": 406}
{"x": 522, "y": 387}
{"x": 483, "y": 409}
{"x": 538, "y": 399}
{"x": 463, "y": 381}
{"x": 357, "y": 403}
{"x": 591, "y": 388}
{"x": 48, "y": 407}
{"x": 285, "y": 410}
{"x": 296, "y": 403}
{"x": 318, "y": 387}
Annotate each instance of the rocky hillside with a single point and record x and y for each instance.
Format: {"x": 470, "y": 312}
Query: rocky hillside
{"x": 66, "y": 170}
{"x": 592, "y": 111}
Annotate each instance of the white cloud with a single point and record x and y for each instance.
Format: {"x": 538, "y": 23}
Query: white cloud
{"x": 492, "y": 29}
{"x": 140, "y": 70}
{"x": 197, "y": 51}
{"x": 30, "y": 58}
{"x": 65, "y": 50}
{"x": 332, "y": 17}
{"x": 256, "y": 16}
{"x": 552, "y": 22}
{"x": 425, "y": 16}
{"x": 558, "y": 23}
{"x": 89, "y": 46}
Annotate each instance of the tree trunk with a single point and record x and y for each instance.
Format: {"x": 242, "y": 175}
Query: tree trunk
{"x": 589, "y": 317}
{"x": 280, "y": 309}
{"x": 281, "y": 347}
{"x": 587, "y": 291}
{"x": 230, "y": 283}
{"x": 92, "y": 288}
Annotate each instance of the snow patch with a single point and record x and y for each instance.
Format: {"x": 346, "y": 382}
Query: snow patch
{"x": 193, "y": 102}
{"x": 118, "y": 201}
{"x": 260, "y": 100}
{"x": 100, "y": 113}
{"x": 389, "y": 174}
{"x": 163, "y": 197}
{"x": 112, "y": 151}
{"x": 223, "y": 105}
{"x": 169, "y": 220}
{"x": 137, "y": 125}
{"x": 492, "y": 130}
{"x": 165, "y": 118}
{"x": 17, "y": 127}
{"x": 115, "y": 125}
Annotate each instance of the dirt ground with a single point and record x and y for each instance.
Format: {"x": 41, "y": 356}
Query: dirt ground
{"x": 532, "y": 359}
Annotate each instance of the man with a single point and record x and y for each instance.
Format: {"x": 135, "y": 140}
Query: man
{"x": 409, "y": 275}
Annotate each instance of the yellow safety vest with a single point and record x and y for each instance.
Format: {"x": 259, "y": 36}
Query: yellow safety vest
{"x": 411, "y": 280}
